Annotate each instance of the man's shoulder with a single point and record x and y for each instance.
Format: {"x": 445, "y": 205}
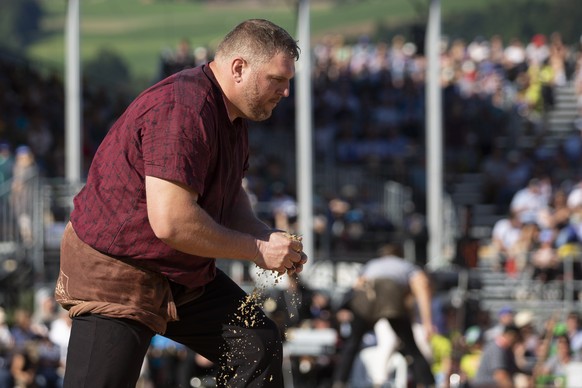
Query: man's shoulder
{"x": 390, "y": 265}
{"x": 198, "y": 74}
{"x": 191, "y": 84}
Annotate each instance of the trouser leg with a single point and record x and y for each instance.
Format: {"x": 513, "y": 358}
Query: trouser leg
{"x": 237, "y": 336}
{"x": 420, "y": 366}
{"x": 105, "y": 352}
{"x": 350, "y": 349}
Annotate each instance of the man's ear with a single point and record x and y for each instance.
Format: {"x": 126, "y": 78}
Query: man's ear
{"x": 237, "y": 68}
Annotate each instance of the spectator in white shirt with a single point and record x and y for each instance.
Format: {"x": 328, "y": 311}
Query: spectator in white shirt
{"x": 506, "y": 232}
{"x": 529, "y": 201}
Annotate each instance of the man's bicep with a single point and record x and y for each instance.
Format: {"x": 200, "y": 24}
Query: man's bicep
{"x": 167, "y": 202}
{"x": 163, "y": 187}
{"x": 175, "y": 146}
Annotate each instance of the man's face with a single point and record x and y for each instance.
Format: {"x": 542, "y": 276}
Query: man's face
{"x": 265, "y": 86}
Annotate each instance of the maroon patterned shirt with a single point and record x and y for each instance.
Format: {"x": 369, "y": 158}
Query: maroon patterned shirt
{"x": 176, "y": 130}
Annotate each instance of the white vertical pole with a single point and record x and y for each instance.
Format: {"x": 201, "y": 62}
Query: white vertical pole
{"x": 434, "y": 137}
{"x": 73, "y": 95}
{"x": 303, "y": 130}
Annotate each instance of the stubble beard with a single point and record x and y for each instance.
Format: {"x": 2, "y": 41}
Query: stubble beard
{"x": 256, "y": 109}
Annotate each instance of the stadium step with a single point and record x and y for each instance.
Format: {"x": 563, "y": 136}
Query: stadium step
{"x": 561, "y": 118}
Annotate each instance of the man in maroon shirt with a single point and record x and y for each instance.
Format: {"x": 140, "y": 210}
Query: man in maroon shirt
{"x": 163, "y": 200}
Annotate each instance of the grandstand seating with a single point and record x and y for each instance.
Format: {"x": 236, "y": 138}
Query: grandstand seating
{"x": 560, "y": 118}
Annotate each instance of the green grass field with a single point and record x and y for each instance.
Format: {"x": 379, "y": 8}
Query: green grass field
{"x": 139, "y": 30}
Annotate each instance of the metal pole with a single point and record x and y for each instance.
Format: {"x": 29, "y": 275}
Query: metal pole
{"x": 73, "y": 95}
{"x": 303, "y": 130}
{"x": 434, "y": 137}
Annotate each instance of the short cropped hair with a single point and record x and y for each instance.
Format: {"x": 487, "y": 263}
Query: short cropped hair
{"x": 257, "y": 40}
{"x": 391, "y": 249}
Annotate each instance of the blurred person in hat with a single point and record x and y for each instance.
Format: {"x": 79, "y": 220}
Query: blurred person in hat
{"x": 526, "y": 350}
{"x": 504, "y": 318}
{"x": 537, "y": 50}
{"x": 498, "y": 366}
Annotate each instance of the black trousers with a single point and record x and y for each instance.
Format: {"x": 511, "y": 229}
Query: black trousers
{"x": 403, "y": 328}
{"x": 220, "y": 325}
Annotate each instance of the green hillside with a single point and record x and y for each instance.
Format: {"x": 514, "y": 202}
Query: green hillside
{"x": 139, "y": 30}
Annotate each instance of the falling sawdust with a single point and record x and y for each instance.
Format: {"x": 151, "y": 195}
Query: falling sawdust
{"x": 248, "y": 316}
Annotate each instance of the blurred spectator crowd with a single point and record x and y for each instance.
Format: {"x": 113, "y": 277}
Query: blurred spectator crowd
{"x": 532, "y": 352}
{"x": 368, "y": 110}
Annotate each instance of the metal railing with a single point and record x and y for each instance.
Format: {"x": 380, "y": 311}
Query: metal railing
{"x": 51, "y": 202}
{"x": 524, "y": 292}
{"x": 27, "y": 236}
